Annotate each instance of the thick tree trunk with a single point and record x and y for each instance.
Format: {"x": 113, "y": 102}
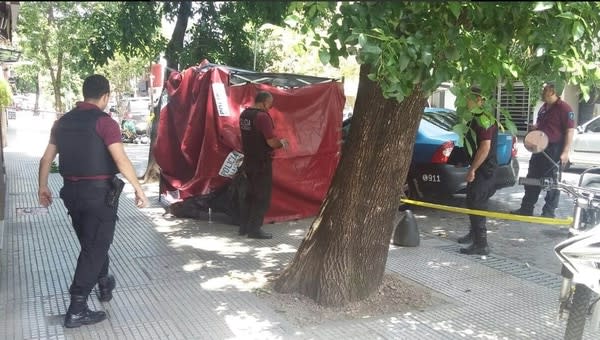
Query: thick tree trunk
{"x": 343, "y": 256}
{"x": 174, "y": 48}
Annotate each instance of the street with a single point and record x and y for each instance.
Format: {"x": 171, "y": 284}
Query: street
{"x": 531, "y": 244}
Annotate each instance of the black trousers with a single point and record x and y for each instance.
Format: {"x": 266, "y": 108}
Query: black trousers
{"x": 94, "y": 224}
{"x": 255, "y": 194}
{"x": 540, "y": 166}
{"x": 478, "y": 195}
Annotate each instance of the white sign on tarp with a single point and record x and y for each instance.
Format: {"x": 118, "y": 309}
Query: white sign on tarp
{"x": 231, "y": 164}
{"x": 218, "y": 90}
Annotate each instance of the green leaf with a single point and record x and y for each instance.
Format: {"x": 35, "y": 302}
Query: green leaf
{"x": 578, "y": 30}
{"x": 370, "y": 52}
{"x": 510, "y": 125}
{"x": 426, "y": 58}
{"x": 362, "y": 40}
{"x": 543, "y": 6}
{"x": 484, "y": 121}
{"x": 460, "y": 129}
{"x": 403, "y": 62}
{"x": 292, "y": 20}
{"x": 455, "y": 8}
{"x": 324, "y": 56}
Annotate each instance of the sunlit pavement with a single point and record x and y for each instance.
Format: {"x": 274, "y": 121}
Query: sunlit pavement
{"x": 195, "y": 279}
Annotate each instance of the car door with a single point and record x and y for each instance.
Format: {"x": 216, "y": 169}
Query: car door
{"x": 587, "y": 143}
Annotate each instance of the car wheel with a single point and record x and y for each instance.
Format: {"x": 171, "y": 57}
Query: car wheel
{"x": 411, "y": 191}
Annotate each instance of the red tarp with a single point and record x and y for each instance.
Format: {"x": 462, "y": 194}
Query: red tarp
{"x": 194, "y": 138}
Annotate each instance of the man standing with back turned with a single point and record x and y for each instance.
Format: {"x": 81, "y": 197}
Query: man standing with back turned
{"x": 88, "y": 142}
{"x": 557, "y": 120}
{"x": 258, "y": 142}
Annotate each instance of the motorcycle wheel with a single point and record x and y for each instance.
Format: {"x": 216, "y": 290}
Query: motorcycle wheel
{"x": 578, "y": 312}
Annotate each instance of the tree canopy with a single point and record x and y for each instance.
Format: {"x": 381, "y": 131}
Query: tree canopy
{"x": 69, "y": 40}
{"x": 406, "y": 50}
{"x": 225, "y": 32}
{"x": 483, "y": 43}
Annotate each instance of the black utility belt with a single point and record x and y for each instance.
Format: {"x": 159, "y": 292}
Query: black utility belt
{"x": 106, "y": 178}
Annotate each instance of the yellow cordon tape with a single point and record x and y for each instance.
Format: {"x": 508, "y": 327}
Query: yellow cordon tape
{"x": 493, "y": 214}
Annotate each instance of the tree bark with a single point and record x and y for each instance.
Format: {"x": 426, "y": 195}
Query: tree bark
{"x": 175, "y": 45}
{"x": 36, "y": 107}
{"x": 55, "y": 78}
{"x": 343, "y": 256}
{"x": 174, "y": 48}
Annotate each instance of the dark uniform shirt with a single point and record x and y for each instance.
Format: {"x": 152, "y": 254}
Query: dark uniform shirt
{"x": 555, "y": 119}
{"x": 256, "y": 127}
{"x": 106, "y": 127}
{"x": 491, "y": 133}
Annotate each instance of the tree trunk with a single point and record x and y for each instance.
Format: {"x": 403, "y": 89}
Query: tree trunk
{"x": 152, "y": 173}
{"x": 174, "y": 48}
{"x": 343, "y": 256}
{"x": 36, "y": 106}
{"x": 175, "y": 45}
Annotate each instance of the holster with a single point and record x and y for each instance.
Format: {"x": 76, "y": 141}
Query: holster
{"x": 116, "y": 187}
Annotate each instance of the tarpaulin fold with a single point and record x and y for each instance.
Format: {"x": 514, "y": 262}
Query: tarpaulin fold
{"x": 198, "y": 128}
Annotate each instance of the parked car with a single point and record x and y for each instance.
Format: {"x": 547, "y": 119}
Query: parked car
{"x": 585, "y": 149}
{"x": 434, "y": 171}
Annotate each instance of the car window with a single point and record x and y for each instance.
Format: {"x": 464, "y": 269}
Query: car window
{"x": 594, "y": 126}
{"x": 444, "y": 119}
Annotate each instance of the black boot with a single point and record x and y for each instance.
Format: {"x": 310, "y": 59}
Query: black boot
{"x": 548, "y": 212}
{"x": 466, "y": 239}
{"x": 79, "y": 314}
{"x": 522, "y": 211}
{"x": 259, "y": 234}
{"x": 105, "y": 287}
{"x": 479, "y": 246}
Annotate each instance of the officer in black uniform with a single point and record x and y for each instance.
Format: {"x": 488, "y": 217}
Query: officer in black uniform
{"x": 88, "y": 142}
{"x": 480, "y": 178}
{"x": 258, "y": 142}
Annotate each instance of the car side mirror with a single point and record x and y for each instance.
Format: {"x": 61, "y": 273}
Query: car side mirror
{"x": 580, "y": 129}
{"x": 535, "y": 141}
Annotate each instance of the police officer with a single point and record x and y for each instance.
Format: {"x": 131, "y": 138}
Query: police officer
{"x": 88, "y": 142}
{"x": 480, "y": 177}
{"x": 258, "y": 142}
{"x": 557, "y": 120}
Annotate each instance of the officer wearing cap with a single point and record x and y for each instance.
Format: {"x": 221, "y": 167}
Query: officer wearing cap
{"x": 481, "y": 184}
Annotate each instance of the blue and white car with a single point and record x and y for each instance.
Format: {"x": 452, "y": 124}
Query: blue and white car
{"x": 434, "y": 173}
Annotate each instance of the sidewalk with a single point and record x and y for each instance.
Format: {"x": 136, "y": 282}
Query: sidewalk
{"x": 195, "y": 280}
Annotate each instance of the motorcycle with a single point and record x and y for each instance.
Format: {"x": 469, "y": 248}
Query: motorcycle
{"x": 580, "y": 252}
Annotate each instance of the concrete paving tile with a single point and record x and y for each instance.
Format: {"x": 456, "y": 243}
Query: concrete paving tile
{"x": 193, "y": 279}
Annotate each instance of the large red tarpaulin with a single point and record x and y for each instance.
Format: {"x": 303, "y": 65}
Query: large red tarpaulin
{"x": 198, "y": 128}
